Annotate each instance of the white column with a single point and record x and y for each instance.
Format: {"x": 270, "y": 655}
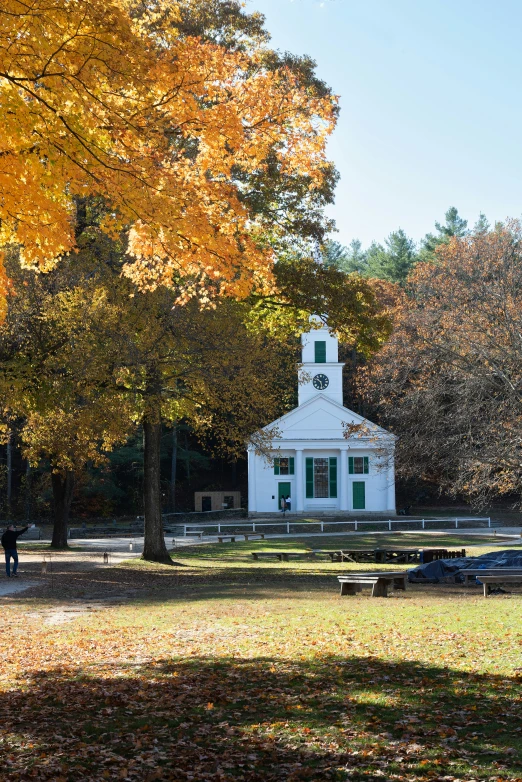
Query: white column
{"x": 252, "y": 506}
{"x": 299, "y": 480}
{"x": 391, "y": 484}
{"x": 343, "y": 480}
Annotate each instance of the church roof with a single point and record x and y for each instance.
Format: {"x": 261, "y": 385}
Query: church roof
{"x": 321, "y": 418}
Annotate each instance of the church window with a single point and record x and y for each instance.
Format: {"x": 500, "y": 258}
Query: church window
{"x": 284, "y": 465}
{"x": 358, "y": 465}
{"x": 321, "y": 478}
{"x": 320, "y": 352}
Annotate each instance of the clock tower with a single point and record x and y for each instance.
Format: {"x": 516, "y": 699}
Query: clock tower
{"x": 320, "y": 372}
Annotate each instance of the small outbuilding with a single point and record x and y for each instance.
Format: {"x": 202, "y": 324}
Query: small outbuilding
{"x": 216, "y": 500}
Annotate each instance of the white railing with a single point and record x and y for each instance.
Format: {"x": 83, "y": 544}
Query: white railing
{"x": 255, "y": 525}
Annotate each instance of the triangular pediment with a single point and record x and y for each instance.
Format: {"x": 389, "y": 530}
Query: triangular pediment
{"x": 315, "y": 419}
{"x": 319, "y": 418}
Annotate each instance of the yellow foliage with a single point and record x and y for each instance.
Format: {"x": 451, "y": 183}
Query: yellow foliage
{"x": 97, "y": 101}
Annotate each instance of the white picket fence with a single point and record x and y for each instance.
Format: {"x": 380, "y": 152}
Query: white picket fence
{"x": 319, "y": 526}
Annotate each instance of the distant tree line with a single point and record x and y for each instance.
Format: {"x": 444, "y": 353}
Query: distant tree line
{"x": 449, "y": 380}
{"x": 398, "y": 256}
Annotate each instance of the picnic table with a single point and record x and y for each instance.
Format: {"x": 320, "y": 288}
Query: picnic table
{"x": 352, "y": 583}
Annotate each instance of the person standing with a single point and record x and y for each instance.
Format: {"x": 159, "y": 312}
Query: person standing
{"x": 9, "y": 539}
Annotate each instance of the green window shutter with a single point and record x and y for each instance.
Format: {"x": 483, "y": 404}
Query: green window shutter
{"x": 309, "y": 477}
{"x": 350, "y": 465}
{"x": 359, "y": 495}
{"x": 366, "y": 465}
{"x": 333, "y": 476}
{"x": 291, "y": 463}
{"x": 320, "y": 352}
{"x": 276, "y": 466}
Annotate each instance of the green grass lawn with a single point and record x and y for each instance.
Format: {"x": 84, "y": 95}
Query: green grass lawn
{"x": 225, "y": 669}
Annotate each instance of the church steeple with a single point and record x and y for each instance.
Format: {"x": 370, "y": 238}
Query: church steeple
{"x": 320, "y": 373}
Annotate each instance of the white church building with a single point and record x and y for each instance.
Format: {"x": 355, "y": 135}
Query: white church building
{"x": 312, "y": 462}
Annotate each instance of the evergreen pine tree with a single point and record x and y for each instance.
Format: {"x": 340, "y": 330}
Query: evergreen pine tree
{"x": 348, "y": 259}
{"x": 482, "y": 225}
{"x": 334, "y": 254}
{"x": 394, "y": 261}
{"x": 455, "y": 225}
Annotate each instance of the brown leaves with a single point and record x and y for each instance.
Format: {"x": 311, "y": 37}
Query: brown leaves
{"x": 449, "y": 379}
{"x": 260, "y": 686}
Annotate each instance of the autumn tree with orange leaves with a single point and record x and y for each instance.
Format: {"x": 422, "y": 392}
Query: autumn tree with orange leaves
{"x": 114, "y": 98}
{"x": 205, "y": 147}
{"x": 449, "y": 381}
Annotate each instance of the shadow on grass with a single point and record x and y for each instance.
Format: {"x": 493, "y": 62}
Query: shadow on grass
{"x": 190, "y": 584}
{"x": 263, "y": 720}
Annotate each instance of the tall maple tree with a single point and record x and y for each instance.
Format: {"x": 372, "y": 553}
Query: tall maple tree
{"x": 206, "y": 150}
{"x": 111, "y": 98}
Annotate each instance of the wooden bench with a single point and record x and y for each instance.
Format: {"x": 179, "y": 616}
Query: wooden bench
{"x": 246, "y": 535}
{"x": 499, "y": 579}
{"x": 471, "y": 574}
{"x": 30, "y": 534}
{"x": 282, "y": 556}
{"x": 198, "y": 533}
{"x": 354, "y": 582}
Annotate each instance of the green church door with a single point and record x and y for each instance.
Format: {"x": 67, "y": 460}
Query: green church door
{"x": 283, "y": 490}
{"x": 359, "y": 495}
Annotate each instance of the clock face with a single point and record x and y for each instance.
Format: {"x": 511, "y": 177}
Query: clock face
{"x": 320, "y": 382}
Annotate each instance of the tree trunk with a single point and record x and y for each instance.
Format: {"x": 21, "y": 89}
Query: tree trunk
{"x": 27, "y": 492}
{"x": 187, "y": 457}
{"x": 62, "y": 495}
{"x": 154, "y": 548}
{"x": 9, "y": 463}
{"x": 173, "y": 467}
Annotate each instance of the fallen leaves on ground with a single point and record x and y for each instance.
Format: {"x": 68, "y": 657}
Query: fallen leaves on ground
{"x": 230, "y": 675}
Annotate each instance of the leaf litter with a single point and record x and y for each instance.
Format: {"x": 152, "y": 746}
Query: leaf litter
{"x": 263, "y": 680}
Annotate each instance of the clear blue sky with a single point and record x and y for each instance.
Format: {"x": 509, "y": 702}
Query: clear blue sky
{"x": 431, "y": 106}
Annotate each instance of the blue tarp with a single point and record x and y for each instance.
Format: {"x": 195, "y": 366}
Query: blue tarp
{"x": 447, "y": 569}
